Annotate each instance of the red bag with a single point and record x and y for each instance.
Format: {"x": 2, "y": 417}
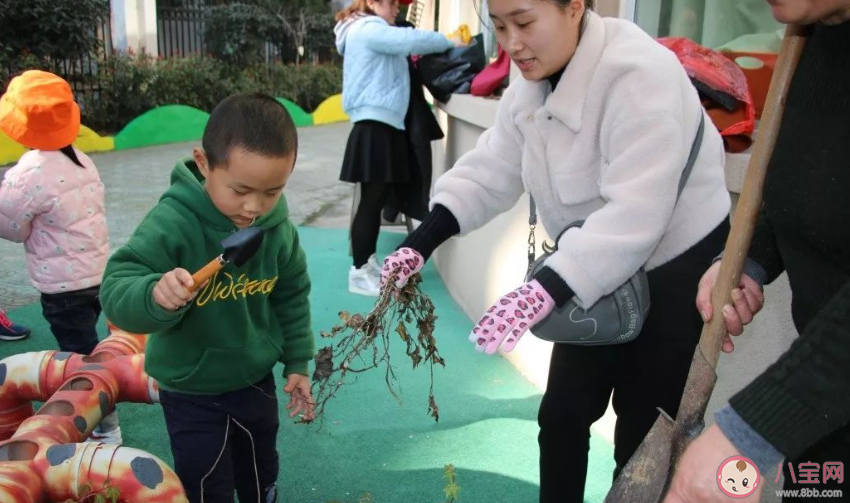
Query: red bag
{"x": 718, "y": 72}
{"x": 490, "y": 78}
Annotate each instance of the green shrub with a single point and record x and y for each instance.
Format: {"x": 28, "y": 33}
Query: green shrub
{"x": 236, "y": 33}
{"x": 306, "y": 85}
{"x": 118, "y": 91}
{"x": 126, "y": 86}
{"x": 50, "y": 29}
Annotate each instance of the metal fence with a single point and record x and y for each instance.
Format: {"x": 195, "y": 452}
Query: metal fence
{"x": 180, "y": 32}
{"x": 80, "y": 72}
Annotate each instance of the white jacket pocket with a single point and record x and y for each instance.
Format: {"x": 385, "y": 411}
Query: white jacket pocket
{"x": 576, "y": 186}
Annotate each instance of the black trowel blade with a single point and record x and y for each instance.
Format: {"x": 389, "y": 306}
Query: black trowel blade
{"x": 242, "y": 245}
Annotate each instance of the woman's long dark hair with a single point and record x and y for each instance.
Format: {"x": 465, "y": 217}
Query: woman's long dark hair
{"x": 588, "y": 5}
{"x": 70, "y": 153}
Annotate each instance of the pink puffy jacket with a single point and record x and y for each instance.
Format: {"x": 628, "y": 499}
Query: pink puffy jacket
{"x": 57, "y": 210}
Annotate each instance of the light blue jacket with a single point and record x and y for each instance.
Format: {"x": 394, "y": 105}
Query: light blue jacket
{"x": 375, "y": 78}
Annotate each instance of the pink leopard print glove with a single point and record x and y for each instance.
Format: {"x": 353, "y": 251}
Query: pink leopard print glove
{"x": 406, "y": 261}
{"x": 510, "y": 317}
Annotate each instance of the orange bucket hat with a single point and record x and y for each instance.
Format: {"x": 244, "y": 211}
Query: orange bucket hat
{"x": 39, "y": 111}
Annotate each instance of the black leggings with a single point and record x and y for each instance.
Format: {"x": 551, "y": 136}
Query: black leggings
{"x": 367, "y": 220}
{"x": 73, "y": 318}
{"x": 644, "y": 374}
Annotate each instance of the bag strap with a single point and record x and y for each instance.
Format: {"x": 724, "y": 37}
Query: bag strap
{"x": 686, "y": 173}
{"x": 692, "y": 157}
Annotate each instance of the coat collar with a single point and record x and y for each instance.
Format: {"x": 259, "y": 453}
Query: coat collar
{"x": 566, "y": 103}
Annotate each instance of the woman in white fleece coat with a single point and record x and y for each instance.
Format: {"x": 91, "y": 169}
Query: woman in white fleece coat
{"x": 598, "y": 129}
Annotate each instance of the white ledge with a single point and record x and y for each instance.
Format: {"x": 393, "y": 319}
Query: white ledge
{"x": 473, "y": 109}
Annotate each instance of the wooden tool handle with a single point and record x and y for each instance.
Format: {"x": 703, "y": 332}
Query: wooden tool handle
{"x": 747, "y": 211}
{"x": 207, "y": 272}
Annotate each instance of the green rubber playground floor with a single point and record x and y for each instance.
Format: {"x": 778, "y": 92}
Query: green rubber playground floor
{"x": 368, "y": 442}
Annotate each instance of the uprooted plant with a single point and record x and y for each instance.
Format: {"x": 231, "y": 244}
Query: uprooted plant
{"x": 362, "y": 342}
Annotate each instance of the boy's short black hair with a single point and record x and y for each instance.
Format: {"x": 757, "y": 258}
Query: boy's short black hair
{"x": 255, "y": 122}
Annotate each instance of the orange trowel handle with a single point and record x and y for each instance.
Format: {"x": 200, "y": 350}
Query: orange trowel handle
{"x": 207, "y": 272}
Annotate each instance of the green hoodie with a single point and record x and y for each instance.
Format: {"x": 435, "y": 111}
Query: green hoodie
{"x": 244, "y": 321}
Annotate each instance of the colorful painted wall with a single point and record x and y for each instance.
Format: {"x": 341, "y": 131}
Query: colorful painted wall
{"x": 171, "y": 124}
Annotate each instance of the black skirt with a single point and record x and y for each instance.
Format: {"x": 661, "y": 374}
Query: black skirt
{"x": 377, "y": 152}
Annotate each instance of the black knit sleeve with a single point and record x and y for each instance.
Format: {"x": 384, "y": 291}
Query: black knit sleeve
{"x": 763, "y": 249}
{"x": 802, "y": 398}
{"x": 554, "y": 285}
{"x": 436, "y": 229}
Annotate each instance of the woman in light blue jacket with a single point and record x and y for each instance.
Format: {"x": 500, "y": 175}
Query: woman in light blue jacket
{"x": 375, "y": 94}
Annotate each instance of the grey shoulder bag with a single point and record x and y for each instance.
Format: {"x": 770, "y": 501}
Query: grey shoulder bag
{"x": 616, "y": 318}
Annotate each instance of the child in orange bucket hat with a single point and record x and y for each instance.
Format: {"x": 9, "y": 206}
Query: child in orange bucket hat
{"x": 39, "y": 111}
{"x": 52, "y": 200}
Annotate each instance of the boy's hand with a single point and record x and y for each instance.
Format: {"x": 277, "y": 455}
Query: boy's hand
{"x": 300, "y": 399}
{"x": 172, "y": 290}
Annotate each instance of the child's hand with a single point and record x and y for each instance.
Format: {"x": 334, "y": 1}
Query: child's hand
{"x": 172, "y": 290}
{"x": 300, "y": 399}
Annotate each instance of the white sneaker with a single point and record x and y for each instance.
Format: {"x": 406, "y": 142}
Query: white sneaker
{"x": 111, "y": 437}
{"x": 363, "y": 282}
{"x": 375, "y": 267}
{"x": 107, "y": 431}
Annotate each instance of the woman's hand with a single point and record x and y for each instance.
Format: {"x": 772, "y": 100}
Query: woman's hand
{"x": 508, "y": 319}
{"x": 457, "y": 41}
{"x": 747, "y": 300}
{"x": 404, "y": 261}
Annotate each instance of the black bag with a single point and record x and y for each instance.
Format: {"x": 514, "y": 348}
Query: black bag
{"x": 449, "y": 72}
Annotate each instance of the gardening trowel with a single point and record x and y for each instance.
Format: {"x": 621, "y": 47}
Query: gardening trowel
{"x": 646, "y": 477}
{"x": 238, "y": 248}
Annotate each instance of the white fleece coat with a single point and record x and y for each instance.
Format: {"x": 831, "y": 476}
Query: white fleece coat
{"x": 607, "y": 146}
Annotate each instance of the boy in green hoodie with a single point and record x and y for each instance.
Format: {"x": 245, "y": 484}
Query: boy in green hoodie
{"x": 212, "y": 351}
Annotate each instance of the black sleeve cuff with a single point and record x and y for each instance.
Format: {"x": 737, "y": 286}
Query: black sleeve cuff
{"x": 752, "y": 269}
{"x": 435, "y": 230}
{"x": 555, "y": 285}
{"x": 763, "y": 249}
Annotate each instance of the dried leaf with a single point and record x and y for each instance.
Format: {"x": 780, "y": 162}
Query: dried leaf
{"x": 433, "y": 410}
{"x": 324, "y": 363}
{"x": 415, "y": 357}
{"x": 355, "y": 321}
{"x": 402, "y": 332}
